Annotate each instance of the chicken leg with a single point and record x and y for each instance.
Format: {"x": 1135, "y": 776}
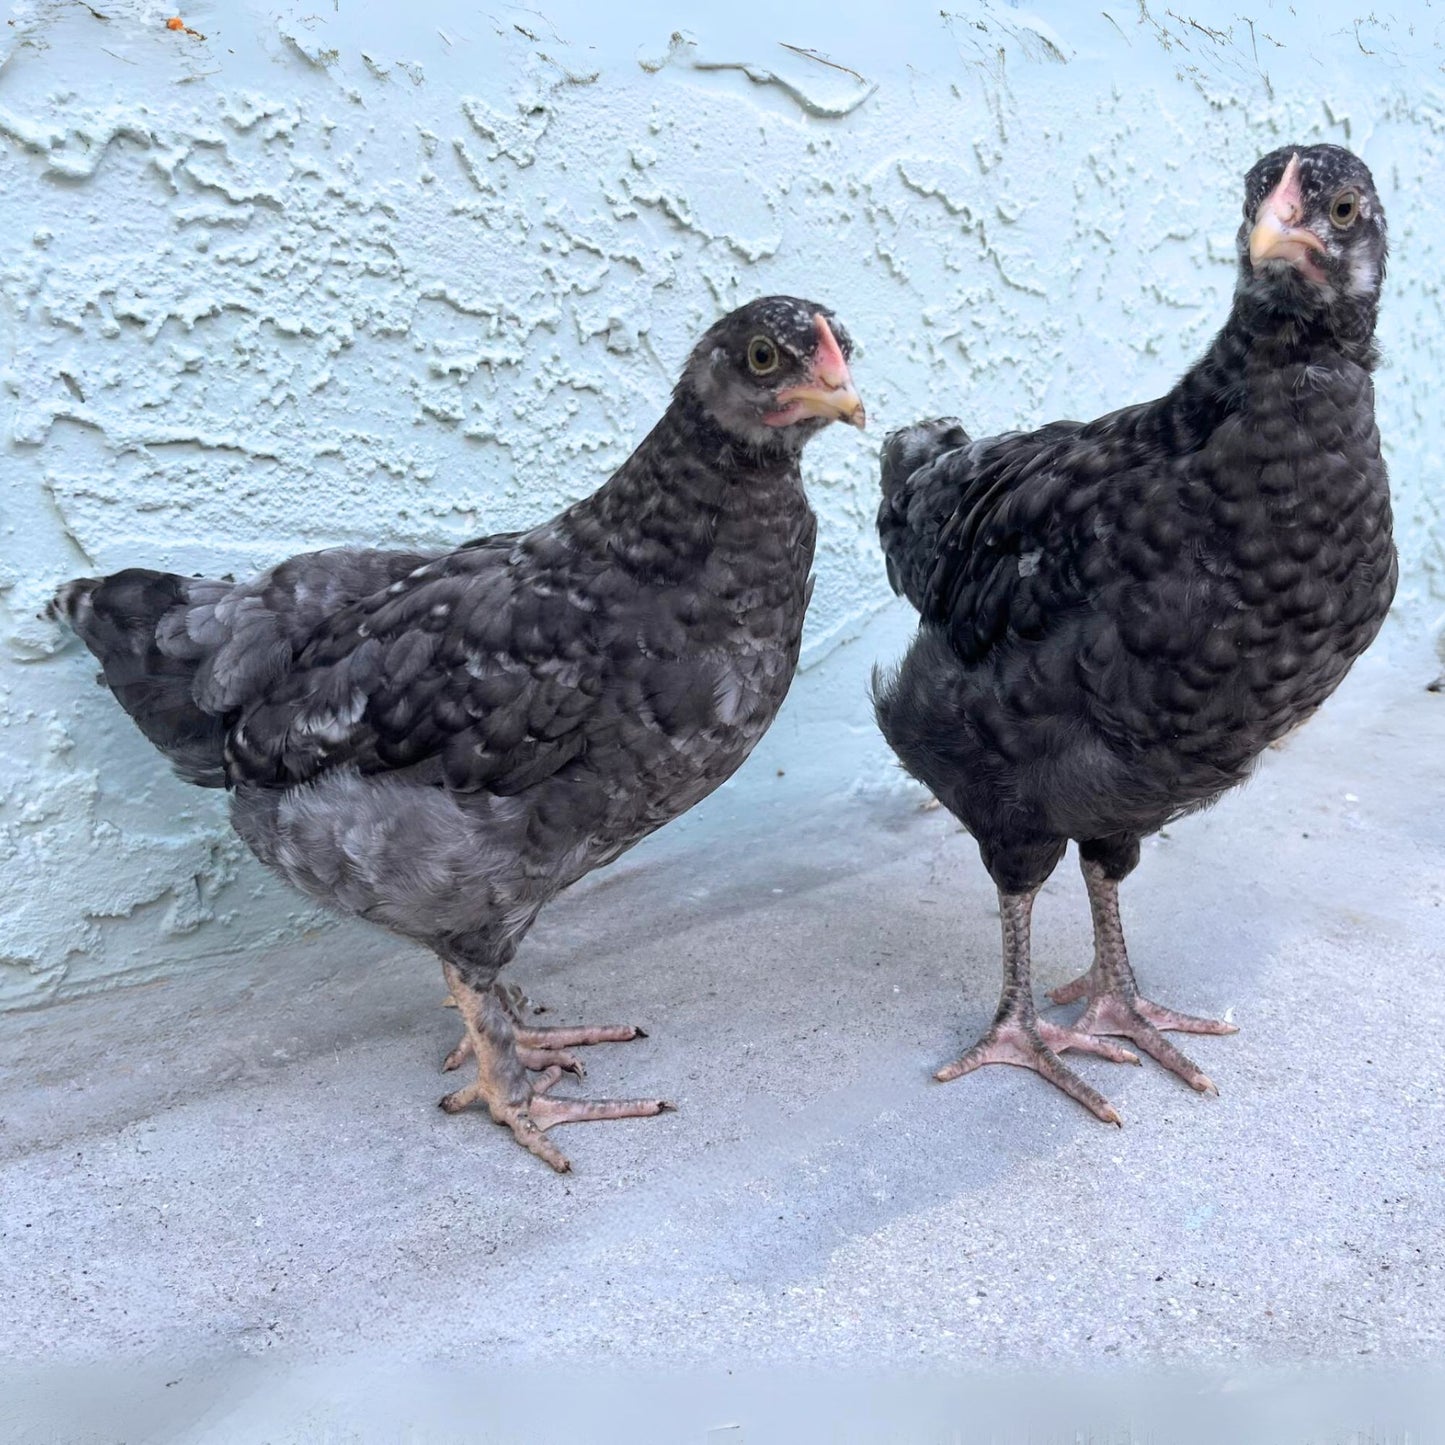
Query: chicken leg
{"x": 1017, "y": 1034}
{"x": 502, "y": 1083}
{"x": 1114, "y": 1002}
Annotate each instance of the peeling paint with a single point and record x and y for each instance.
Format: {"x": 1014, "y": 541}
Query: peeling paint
{"x": 683, "y": 50}
{"x": 329, "y": 276}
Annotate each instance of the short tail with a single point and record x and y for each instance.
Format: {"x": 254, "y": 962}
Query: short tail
{"x": 911, "y": 515}
{"x": 123, "y": 620}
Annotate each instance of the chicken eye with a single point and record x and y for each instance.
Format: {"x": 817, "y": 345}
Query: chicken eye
{"x": 762, "y": 356}
{"x": 1344, "y": 210}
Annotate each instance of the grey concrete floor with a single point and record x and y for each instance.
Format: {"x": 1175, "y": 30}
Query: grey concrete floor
{"x": 250, "y": 1161}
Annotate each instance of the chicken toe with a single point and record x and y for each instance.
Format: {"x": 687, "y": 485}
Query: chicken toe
{"x": 1125, "y": 1014}
{"x": 1036, "y": 1044}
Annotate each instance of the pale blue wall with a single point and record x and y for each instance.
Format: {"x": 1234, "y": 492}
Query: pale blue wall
{"x": 385, "y": 272}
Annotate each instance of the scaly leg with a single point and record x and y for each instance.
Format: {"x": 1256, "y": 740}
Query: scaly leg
{"x": 1017, "y": 1034}
{"x": 1115, "y": 1005}
{"x": 502, "y": 1084}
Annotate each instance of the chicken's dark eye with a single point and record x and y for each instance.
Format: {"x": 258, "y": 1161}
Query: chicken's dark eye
{"x": 1344, "y": 209}
{"x": 762, "y": 356}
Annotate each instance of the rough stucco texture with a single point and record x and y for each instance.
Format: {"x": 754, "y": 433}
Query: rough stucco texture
{"x": 292, "y": 278}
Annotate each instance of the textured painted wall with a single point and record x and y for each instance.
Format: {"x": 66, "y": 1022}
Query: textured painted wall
{"x": 301, "y": 275}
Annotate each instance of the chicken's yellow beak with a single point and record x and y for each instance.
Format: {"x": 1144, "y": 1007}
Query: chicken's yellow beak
{"x": 1279, "y": 233}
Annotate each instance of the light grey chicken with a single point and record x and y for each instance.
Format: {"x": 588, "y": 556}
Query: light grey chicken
{"x": 440, "y": 744}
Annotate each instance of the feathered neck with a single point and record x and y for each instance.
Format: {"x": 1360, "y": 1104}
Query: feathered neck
{"x": 688, "y": 488}
{"x": 1289, "y": 319}
{"x": 1268, "y": 330}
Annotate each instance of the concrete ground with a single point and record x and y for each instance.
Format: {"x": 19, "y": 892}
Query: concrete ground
{"x": 251, "y": 1164}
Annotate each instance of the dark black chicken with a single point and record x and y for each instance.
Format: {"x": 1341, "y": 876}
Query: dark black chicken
{"x": 442, "y": 743}
{"x": 1118, "y": 616}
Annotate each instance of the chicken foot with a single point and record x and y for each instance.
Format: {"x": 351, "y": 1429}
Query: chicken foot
{"x": 544, "y": 1047}
{"x": 502, "y": 1084}
{"x": 1018, "y": 1036}
{"x": 1114, "y": 1002}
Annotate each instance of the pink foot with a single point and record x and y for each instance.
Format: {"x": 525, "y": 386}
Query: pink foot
{"x": 1141, "y": 1022}
{"x": 1037, "y": 1045}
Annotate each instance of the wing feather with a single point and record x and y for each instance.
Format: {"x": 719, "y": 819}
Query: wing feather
{"x": 459, "y": 672}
